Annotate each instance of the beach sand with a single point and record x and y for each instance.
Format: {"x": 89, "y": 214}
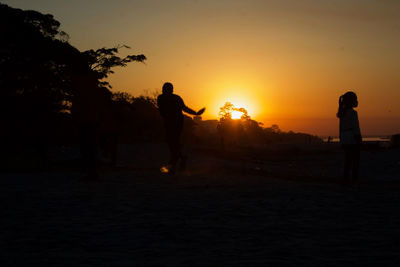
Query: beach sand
{"x": 229, "y": 209}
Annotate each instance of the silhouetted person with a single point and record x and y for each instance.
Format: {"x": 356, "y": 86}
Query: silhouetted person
{"x": 350, "y": 135}
{"x": 171, "y": 107}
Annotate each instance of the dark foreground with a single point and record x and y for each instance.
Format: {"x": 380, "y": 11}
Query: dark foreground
{"x": 233, "y": 215}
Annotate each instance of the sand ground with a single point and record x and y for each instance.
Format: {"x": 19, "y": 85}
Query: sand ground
{"x": 287, "y": 209}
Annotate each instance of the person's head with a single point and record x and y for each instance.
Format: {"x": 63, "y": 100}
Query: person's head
{"x": 167, "y": 88}
{"x": 348, "y": 100}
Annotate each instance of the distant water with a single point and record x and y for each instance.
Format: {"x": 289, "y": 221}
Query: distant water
{"x": 365, "y": 139}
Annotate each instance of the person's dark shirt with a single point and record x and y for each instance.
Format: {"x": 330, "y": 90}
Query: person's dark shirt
{"x": 171, "y": 107}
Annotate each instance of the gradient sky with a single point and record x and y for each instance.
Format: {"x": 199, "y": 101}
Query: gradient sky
{"x": 285, "y": 61}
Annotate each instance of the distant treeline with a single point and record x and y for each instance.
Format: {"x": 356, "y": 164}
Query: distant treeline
{"x": 48, "y": 88}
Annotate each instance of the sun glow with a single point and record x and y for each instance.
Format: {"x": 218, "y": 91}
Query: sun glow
{"x": 238, "y": 103}
{"x": 243, "y": 94}
{"x": 236, "y": 114}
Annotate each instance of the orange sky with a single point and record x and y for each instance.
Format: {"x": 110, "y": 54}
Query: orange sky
{"x": 286, "y": 61}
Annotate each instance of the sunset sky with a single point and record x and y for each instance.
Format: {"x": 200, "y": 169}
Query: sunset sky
{"x": 285, "y": 61}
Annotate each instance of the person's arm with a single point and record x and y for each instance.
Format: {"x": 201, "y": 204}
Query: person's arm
{"x": 189, "y": 110}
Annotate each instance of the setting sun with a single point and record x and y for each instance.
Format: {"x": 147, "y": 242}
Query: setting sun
{"x": 236, "y": 114}
{"x": 244, "y": 95}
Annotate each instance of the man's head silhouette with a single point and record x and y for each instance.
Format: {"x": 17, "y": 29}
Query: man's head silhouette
{"x": 167, "y": 88}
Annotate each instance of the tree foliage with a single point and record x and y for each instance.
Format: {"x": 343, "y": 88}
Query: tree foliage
{"x": 225, "y": 112}
{"x": 103, "y": 60}
{"x": 41, "y": 73}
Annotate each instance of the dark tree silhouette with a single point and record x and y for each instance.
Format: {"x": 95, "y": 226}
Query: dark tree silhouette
{"x": 235, "y": 131}
{"x": 40, "y": 72}
{"x": 101, "y": 61}
{"x": 44, "y": 80}
{"x": 35, "y": 60}
{"x": 225, "y": 112}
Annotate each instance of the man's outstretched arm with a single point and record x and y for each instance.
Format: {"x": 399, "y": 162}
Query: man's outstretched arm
{"x": 189, "y": 110}
{"x": 192, "y": 112}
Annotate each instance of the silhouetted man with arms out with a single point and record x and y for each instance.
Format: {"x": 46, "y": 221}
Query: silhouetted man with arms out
{"x": 171, "y": 107}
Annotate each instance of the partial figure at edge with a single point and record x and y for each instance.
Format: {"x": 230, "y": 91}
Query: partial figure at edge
{"x": 170, "y": 107}
{"x": 350, "y": 134}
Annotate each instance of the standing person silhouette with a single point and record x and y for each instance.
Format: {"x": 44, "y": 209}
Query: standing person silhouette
{"x": 350, "y": 135}
{"x": 171, "y": 107}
